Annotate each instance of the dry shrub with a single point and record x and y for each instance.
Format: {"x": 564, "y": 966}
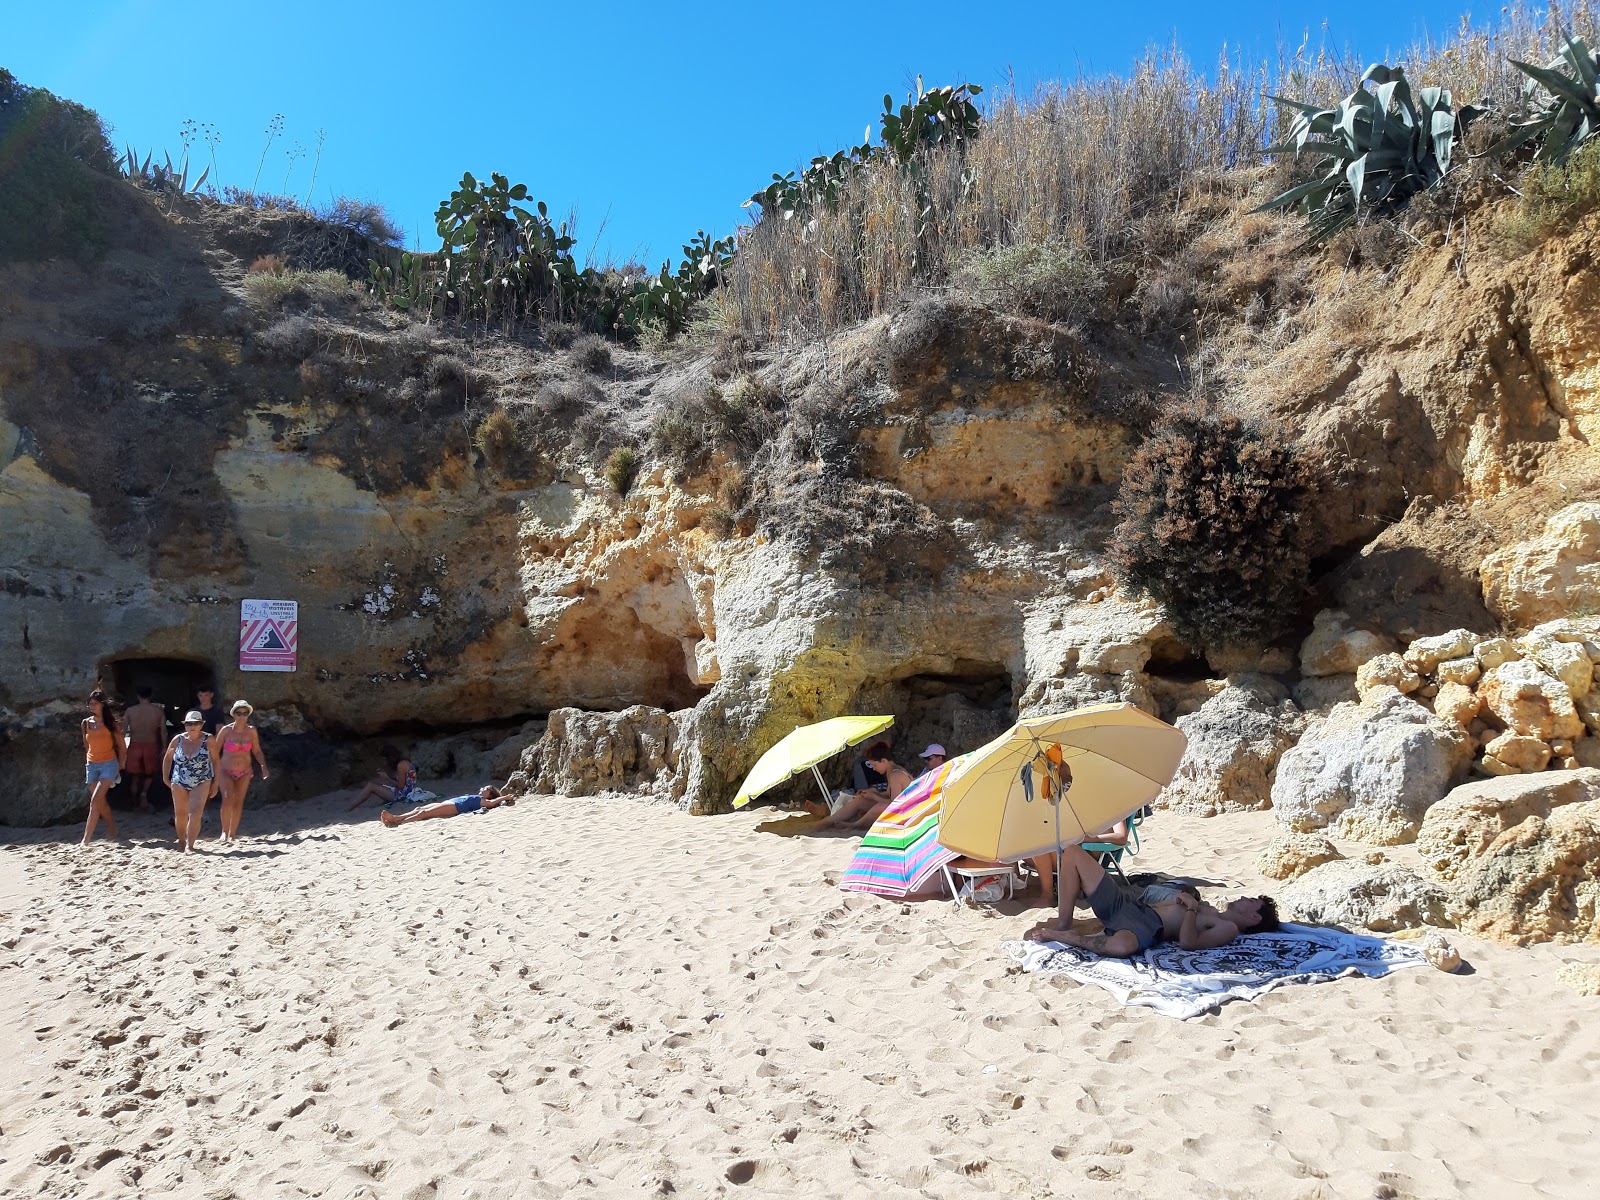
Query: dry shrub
{"x": 1051, "y": 280}
{"x": 1554, "y": 199}
{"x": 268, "y": 264}
{"x": 1082, "y": 164}
{"x": 1216, "y": 525}
{"x": 592, "y": 353}
{"x": 505, "y": 444}
{"x": 321, "y": 291}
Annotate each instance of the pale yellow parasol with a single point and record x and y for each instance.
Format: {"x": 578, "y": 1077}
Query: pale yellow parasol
{"x": 1004, "y": 803}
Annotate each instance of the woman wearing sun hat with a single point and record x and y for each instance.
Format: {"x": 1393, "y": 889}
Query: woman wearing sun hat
{"x": 190, "y": 768}
{"x": 239, "y": 747}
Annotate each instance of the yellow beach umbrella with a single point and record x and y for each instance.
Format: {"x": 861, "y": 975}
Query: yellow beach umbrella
{"x": 1004, "y": 803}
{"x": 803, "y": 749}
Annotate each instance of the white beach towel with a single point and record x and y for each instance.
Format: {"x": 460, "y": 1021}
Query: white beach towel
{"x": 1186, "y": 983}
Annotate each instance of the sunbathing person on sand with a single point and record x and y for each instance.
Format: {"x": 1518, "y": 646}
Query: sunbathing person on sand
{"x": 862, "y": 809}
{"x": 1137, "y": 918}
{"x": 485, "y": 798}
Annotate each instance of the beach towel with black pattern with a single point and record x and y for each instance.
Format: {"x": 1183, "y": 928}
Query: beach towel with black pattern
{"x": 1186, "y": 983}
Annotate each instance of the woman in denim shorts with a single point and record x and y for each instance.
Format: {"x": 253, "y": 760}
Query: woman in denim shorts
{"x": 103, "y": 749}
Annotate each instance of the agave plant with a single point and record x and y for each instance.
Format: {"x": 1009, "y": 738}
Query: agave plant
{"x": 1376, "y": 149}
{"x": 160, "y": 176}
{"x": 1570, "y": 113}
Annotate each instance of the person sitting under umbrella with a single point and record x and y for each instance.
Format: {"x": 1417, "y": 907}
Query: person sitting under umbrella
{"x": 1135, "y": 919}
{"x": 862, "y": 809}
{"x": 485, "y": 798}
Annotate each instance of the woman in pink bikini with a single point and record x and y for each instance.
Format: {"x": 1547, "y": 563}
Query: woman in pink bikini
{"x": 240, "y": 744}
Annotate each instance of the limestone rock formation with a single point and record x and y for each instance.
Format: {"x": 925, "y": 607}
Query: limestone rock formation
{"x": 1369, "y": 770}
{"x": 1293, "y": 854}
{"x": 1386, "y": 671}
{"x": 1539, "y": 881}
{"x": 1441, "y": 955}
{"x": 1359, "y": 895}
{"x": 1460, "y": 828}
{"x": 1513, "y": 753}
{"x": 1583, "y": 978}
{"x": 1235, "y": 741}
{"x": 638, "y": 750}
{"x": 1319, "y": 693}
{"x": 1528, "y": 700}
{"x": 1457, "y": 703}
{"x": 1335, "y": 647}
{"x": 1550, "y": 575}
{"x": 1425, "y": 654}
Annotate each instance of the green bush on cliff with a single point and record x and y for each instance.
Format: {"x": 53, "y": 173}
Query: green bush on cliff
{"x": 1215, "y": 525}
{"x": 1554, "y": 198}
{"x": 1053, "y": 280}
{"x": 51, "y": 152}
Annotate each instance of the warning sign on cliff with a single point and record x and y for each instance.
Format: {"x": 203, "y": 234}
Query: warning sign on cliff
{"x": 268, "y": 634}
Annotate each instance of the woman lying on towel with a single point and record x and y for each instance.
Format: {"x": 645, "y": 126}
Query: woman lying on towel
{"x": 485, "y": 798}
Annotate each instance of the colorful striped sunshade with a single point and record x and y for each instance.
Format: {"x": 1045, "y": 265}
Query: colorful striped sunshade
{"x": 902, "y": 848}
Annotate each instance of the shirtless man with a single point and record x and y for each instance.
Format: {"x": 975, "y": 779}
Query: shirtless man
{"x": 1136, "y": 919}
{"x": 147, "y": 735}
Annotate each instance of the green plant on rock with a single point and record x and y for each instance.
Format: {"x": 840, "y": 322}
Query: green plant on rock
{"x": 1374, "y": 150}
{"x": 1569, "y": 115}
{"x": 1216, "y": 525}
{"x": 622, "y": 469}
{"x": 928, "y": 118}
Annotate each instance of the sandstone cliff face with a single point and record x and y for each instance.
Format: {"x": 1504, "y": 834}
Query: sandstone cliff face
{"x": 329, "y": 456}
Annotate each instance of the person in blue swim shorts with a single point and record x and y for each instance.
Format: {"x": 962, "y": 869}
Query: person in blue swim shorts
{"x": 485, "y": 798}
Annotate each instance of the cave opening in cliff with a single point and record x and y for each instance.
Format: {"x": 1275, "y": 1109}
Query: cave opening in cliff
{"x": 174, "y": 681}
{"x": 1171, "y": 659}
{"x": 960, "y": 709}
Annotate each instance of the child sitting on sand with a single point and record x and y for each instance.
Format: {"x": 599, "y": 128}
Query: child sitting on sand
{"x": 486, "y": 797}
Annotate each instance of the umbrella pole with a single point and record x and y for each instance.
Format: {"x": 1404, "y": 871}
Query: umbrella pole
{"x": 827, "y": 796}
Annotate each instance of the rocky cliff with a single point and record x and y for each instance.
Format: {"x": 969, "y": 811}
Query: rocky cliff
{"x": 176, "y": 438}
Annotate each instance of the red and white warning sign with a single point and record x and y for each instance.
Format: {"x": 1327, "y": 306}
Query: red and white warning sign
{"x": 268, "y": 634}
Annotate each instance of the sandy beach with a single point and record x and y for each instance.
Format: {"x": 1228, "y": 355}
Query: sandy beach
{"x": 604, "y": 997}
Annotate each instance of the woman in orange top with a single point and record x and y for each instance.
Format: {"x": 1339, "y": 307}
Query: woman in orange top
{"x": 103, "y": 749}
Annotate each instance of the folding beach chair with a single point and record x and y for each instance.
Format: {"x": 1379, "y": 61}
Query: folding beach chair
{"x": 1110, "y": 854}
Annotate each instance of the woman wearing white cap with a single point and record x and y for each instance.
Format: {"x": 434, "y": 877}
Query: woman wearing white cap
{"x": 240, "y": 748}
{"x": 190, "y": 768}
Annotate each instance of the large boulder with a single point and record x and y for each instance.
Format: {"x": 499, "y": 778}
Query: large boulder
{"x": 1530, "y": 701}
{"x": 1538, "y": 881}
{"x": 1461, "y": 827}
{"x": 638, "y": 750}
{"x": 1360, "y": 895}
{"x": 1548, "y": 576}
{"x": 1293, "y": 854}
{"x": 1369, "y": 770}
{"x": 1235, "y": 741}
{"x": 1335, "y": 647}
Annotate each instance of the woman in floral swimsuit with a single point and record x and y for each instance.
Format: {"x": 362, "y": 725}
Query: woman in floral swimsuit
{"x": 240, "y": 745}
{"x": 190, "y": 769}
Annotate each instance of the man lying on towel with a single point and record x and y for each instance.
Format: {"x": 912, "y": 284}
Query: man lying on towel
{"x": 1137, "y": 918}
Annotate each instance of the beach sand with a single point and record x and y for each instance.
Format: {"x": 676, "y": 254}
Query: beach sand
{"x": 604, "y": 997}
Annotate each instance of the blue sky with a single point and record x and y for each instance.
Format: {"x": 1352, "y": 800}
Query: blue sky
{"x": 653, "y": 119}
